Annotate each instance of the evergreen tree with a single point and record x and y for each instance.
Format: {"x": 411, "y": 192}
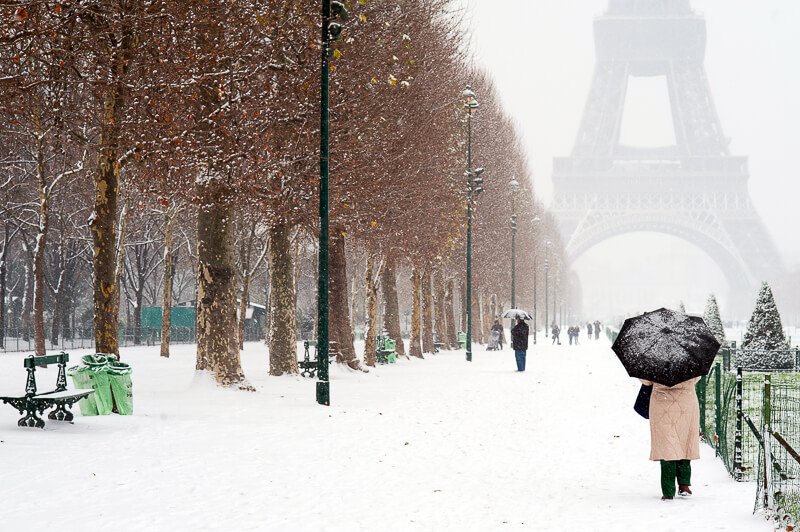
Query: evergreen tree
{"x": 764, "y": 338}
{"x": 713, "y": 320}
{"x": 681, "y": 308}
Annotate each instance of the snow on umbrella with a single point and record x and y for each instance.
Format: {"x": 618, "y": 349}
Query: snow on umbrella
{"x": 515, "y": 313}
{"x": 666, "y": 347}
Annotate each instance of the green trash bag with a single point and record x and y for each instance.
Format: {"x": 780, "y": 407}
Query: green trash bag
{"x": 119, "y": 376}
{"x": 102, "y": 390}
{"x": 82, "y": 380}
{"x": 462, "y": 340}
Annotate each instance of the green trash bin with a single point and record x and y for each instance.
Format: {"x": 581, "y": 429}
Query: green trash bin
{"x": 390, "y": 345}
{"x": 82, "y": 380}
{"x": 119, "y": 377}
{"x": 462, "y": 340}
{"x": 96, "y": 365}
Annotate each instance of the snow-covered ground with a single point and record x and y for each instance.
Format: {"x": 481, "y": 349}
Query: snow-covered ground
{"x": 434, "y": 444}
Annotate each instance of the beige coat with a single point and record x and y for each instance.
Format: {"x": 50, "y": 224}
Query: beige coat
{"x": 674, "y": 422}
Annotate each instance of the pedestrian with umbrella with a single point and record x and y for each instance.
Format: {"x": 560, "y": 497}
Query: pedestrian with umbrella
{"x": 519, "y": 336}
{"x": 669, "y": 352}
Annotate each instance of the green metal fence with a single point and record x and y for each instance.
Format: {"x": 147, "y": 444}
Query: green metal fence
{"x": 747, "y": 415}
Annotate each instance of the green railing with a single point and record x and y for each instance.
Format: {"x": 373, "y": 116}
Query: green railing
{"x": 745, "y": 415}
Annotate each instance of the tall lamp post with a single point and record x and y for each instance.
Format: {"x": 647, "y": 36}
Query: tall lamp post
{"x": 474, "y": 181}
{"x": 514, "y": 184}
{"x": 546, "y": 282}
{"x": 331, "y": 31}
{"x": 536, "y": 221}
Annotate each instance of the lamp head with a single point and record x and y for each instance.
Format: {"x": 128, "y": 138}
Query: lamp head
{"x": 335, "y": 31}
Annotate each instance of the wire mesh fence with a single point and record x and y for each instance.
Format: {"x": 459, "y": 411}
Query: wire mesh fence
{"x": 19, "y": 340}
{"x": 748, "y": 415}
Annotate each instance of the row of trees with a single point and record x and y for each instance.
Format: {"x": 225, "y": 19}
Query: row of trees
{"x": 764, "y": 344}
{"x": 162, "y": 152}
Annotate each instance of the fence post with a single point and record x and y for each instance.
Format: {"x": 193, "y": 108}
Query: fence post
{"x": 701, "y": 389}
{"x": 737, "y": 439}
{"x": 767, "y": 417}
{"x": 717, "y": 406}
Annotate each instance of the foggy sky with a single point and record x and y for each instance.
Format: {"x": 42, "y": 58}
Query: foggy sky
{"x": 541, "y": 55}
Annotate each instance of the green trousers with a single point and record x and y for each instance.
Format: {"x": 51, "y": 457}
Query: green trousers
{"x": 672, "y": 470}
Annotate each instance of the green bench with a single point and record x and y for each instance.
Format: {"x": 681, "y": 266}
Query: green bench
{"x": 308, "y": 365}
{"x": 33, "y": 402}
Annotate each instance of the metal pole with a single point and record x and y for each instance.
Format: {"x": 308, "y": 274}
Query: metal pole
{"x": 717, "y": 406}
{"x": 513, "y": 252}
{"x": 546, "y": 292}
{"x": 535, "y": 257}
{"x": 323, "y": 385}
{"x": 469, "y": 235}
{"x": 737, "y": 439}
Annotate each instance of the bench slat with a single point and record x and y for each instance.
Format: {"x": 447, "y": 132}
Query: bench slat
{"x": 33, "y": 361}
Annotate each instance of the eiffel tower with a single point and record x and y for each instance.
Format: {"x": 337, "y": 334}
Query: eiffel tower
{"x": 695, "y": 189}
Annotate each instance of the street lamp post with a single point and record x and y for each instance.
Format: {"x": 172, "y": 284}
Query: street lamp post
{"x": 535, "y": 275}
{"x": 331, "y": 31}
{"x": 546, "y": 282}
{"x": 514, "y": 184}
{"x": 474, "y": 182}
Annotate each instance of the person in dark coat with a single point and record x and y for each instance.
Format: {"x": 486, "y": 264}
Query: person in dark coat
{"x": 519, "y": 342}
{"x": 499, "y": 328}
{"x": 589, "y": 330}
{"x": 556, "y": 330}
{"x": 596, "y": 330}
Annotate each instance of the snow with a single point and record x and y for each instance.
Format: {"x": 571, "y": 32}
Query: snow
{"x": 434, "y": 444}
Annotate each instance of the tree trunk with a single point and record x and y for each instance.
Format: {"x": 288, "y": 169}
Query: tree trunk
{"x": 243, "y": 304}
{"x": 415, "y": 346}
{"x": 427, "y": 311}
{"x": 3, "y": 271}
{"x": 137, "y": 316}
{"x": 283, "y": 318}
{"x": 440, "y": 323}
{"x": 488, "y": 314}
{"x": 371, "y": 329}
{"x": 217, "y": 342}
{"x": 58, "y": 309}
{"x": 166, "y": 301}
{"x": 267, "y": 303}
{"x": 341, "y": 330}
{"x": 477, "y": 328}
{"x": 451, "y": 340}
{"x": 103, "y": 226}
{"x": 27, "y": 300}
{"x": 391, "y": 309}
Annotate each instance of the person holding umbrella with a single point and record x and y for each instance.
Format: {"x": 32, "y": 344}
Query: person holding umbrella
{"x": 669, "y": 351}
{"x": 674, "y": 434}
{"x": 519, "y": 342}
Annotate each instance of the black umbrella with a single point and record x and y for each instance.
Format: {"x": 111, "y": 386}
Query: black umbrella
{"x": 666, "y": 347}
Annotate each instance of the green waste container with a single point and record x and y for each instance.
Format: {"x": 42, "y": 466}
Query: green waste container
{"x": 82, "y": 380}
{"x": 119, "y": 377}
{"x": 97, "y": 365}
{"x": 462, "y": 340}
{"x": 111, "y": 382}
{"x": 390, "y": 345}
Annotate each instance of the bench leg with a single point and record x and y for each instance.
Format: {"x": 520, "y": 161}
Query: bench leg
{"x": 60, "y": 413}
{"x": 31, "y": 419}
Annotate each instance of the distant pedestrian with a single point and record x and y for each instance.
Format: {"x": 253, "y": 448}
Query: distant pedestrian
{"x": 674, "y": 434}
{"x": 576, "y": 332}
{"x": 519, "y": 342}
{"x": 556, "y": 331}
{"x": 589, "y": 330}
{"x": 496, "y": 338}
{"x": 596, "y": 330}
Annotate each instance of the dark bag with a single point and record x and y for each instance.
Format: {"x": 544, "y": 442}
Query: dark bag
{"x": 642, "y": 404}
